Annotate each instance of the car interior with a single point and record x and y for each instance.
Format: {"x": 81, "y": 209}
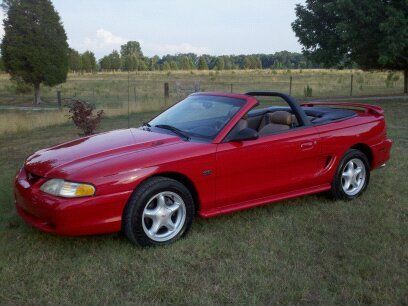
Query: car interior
{"x": 271, "y": 120}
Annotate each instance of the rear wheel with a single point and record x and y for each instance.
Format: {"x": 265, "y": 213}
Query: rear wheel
{"x": 160, "y": 211}
{"x": 352, "y": 176}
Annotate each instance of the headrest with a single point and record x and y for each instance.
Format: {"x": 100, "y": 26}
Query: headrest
{"x": 280, "y": 117}
{"x": 242, "y": 124}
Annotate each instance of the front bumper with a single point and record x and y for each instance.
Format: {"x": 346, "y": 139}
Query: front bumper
{"x": 70, "y": 217}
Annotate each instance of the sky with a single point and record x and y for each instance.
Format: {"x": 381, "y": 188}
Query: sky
{"x": 162, "y": 27}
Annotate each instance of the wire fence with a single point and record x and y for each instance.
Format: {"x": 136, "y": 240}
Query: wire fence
{"x": 123, "y": 94}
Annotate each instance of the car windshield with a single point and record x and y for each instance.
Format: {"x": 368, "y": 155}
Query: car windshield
{"x": 201, "y": 116}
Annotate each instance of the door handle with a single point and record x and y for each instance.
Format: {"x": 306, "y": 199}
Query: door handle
{"x": 307, "y": 145}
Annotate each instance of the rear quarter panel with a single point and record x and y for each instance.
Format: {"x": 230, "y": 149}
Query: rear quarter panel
{"x": 338, "y": 137}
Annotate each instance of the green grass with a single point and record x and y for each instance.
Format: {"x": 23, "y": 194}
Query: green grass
{"x": 309, "y": 250}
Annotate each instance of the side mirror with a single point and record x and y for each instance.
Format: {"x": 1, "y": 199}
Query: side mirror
{"x": 245, "y": 134}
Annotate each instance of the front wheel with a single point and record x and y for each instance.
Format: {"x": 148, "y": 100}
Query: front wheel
{"x": 352, "y": 176}
{"x": 160, "y": 211}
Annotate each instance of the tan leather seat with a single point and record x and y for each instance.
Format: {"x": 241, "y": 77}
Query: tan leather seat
{"x": 275, "y": 122}
{"x": 294, "y": 121}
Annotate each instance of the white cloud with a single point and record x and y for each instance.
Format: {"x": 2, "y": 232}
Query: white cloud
{"x": 163, "y": 49}
{"x": 108, "y": 38}
{"x": 103, "y": 41}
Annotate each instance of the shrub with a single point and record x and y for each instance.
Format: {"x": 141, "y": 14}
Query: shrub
{"x": 18, "y": 86}
{"x": 23, "y": 88}
{"x": 82, "y": 114}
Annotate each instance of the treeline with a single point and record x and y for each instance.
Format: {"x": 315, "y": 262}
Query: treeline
{"x": 131, "y": 58}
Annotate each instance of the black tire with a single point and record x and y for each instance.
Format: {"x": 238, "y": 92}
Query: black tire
{"x": 132, "y": 225}
{"x": 337, "y": 191}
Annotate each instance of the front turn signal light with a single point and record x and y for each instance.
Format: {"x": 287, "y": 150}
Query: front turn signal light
{"x": 66, "y": 189}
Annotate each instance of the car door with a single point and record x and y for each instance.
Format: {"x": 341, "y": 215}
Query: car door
{"x": 275, "y": 164}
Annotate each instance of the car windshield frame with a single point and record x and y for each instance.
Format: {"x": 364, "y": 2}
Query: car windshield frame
{"x": 236, "y": 104}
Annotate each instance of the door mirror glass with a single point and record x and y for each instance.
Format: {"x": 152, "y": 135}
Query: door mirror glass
{"x": 245, "y": 134}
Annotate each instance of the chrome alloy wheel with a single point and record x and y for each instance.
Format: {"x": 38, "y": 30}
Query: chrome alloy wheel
{"x": 164, "y": 216}
{"x": 353, "y": 177}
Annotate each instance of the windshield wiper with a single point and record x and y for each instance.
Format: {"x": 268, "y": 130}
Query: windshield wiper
{"x": 174, "y": 130}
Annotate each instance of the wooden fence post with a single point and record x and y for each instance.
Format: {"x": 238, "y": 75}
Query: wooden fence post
{"x": 59, "y": 99}
{"x": 166, "y": 90}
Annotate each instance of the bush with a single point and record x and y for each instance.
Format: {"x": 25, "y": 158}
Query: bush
{"x": 18, "y": 86}
{"x": 82, "y": 114}
{"x": 23, "y": 88}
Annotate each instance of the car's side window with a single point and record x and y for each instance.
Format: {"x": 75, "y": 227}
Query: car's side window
{"x": 267, "y": 121}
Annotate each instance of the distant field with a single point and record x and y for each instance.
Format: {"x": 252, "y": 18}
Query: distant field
{"x": 145, "y": 90}
{"x": 309, "y": 250}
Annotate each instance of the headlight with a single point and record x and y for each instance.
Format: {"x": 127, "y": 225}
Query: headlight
{"x": 66, "y": 189}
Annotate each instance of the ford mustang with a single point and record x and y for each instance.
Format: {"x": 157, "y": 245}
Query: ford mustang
{"x": 210, "y": 154}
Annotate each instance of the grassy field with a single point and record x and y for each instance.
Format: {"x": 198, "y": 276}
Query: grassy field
{"x": 145, "y": 90}
{"x": 309, "y": 250}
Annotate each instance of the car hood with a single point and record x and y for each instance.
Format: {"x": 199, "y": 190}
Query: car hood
{"x": 93, "y": 149}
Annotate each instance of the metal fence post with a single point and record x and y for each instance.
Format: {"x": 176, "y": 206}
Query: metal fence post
{"x": 351, "y": 85}
{"x": 128, "y": 97}
{"x": 290, "y": 85}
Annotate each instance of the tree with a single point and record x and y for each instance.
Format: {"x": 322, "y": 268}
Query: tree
{"x": 202, "y": 63}
{"x": 166, "y": 66}
{"x": 131, "y": 48}
{"x": 1, "y": 64}
{"x": 105, "y": 63}
{"x": 130, "y": 63}
{"x": 34, "y": 47}
{"x": 154, "y": 63}
{"x": 186, "y": 63}
{"x": 74, "y": 60}
{"x": 88, "y": 61}
{"x": 219, "y": 63}
{"x": 252, "y": 62}
{"x": 142, "y": 64}
{"x": 371, "y": 33}
{"x": 173, "y": 65}
{"x": 132, "y": 56}
{"x": 115, "y": 60}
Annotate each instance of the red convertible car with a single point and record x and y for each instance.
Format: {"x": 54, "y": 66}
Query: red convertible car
{"x": 210, "y": 154}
